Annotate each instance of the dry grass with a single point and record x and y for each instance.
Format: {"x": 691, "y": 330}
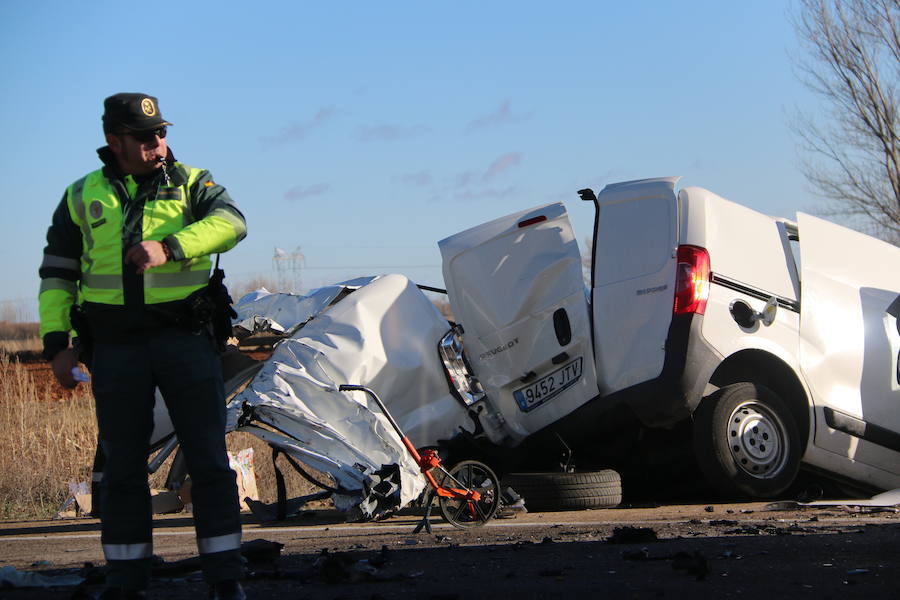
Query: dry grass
{"x": 18, "y": 331}
{"x": 47, "y": 441}
{"x": 19, "y": 346}
{"x": 19, "y": 337}
{"x": 48, "y": 437}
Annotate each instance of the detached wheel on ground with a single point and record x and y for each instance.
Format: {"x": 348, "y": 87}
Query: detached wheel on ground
{"x": 746, "y": 441}
{"x": 567, "y": 491}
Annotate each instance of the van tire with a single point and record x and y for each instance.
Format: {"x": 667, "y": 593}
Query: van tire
{"x": 567, "y": 491}
{"x": 746, "y": 441}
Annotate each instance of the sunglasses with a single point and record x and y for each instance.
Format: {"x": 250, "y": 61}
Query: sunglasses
{"x": 147, "y": 136}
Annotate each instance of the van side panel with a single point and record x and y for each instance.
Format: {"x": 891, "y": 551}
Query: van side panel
{"x": 850, "y": 341}
{"x": 634, "y": 280}
{"x": 744, "y": 245}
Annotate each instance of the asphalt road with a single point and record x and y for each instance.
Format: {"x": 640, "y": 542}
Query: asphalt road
{"x": 683, "y": 551}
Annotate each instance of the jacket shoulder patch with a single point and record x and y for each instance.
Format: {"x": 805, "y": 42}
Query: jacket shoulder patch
{"x": 96, "y": 209}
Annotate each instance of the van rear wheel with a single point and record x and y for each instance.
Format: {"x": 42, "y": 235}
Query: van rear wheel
{"x": 746, "y": 441}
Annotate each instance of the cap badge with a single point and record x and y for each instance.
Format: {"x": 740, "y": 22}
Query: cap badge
{"x": 148, "y": 107}
{"x": 96, "y": 209}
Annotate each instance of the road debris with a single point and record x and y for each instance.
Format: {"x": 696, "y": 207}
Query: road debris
{"x": 340, "y": 567}
{"x": 884, "y": 502}
{"x": 78, "y": 502}
{"x": 632, "y": 535}
{"x": 642, "y": 554}
{"x": 10, "y": 577}
{"x": 694, "y": 564}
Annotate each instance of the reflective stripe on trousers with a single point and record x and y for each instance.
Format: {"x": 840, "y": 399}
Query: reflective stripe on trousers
{"x": 128, "y": 551}
{"x": 219, "y": 543}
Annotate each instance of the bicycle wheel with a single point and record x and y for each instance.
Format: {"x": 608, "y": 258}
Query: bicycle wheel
{"x": 470, "y": 475}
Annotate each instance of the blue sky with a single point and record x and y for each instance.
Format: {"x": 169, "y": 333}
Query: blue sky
{"x": 363, "y": 133}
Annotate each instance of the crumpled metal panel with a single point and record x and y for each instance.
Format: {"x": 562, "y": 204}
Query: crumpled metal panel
{"x": 263, "y": 311}
{"x": 383, "y": 336}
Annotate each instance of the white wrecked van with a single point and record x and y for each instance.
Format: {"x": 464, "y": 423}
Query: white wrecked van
{"x": 777, "y": 340}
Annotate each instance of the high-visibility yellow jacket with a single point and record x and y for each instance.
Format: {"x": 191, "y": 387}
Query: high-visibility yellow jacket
{"x": 103, "y": 214}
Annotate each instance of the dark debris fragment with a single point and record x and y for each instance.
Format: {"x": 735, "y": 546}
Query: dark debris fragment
{"x": 632, "y": 535}
{"x": 694, "y": 564}
{"x": 642, "y": 554}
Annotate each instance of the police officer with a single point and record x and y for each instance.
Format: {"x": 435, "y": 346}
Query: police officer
{"x": 128, "y": 244}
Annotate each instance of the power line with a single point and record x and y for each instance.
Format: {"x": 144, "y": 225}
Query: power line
{"x": 378, "y": 267}
{"x": 289, "y": 268}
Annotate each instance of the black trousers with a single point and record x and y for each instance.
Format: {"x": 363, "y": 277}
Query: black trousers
{"x": 187, "y": 370}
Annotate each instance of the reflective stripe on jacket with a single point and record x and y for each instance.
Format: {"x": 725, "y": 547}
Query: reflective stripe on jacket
{"x": 96, "y": 209}
{"x": 103, "y": 214}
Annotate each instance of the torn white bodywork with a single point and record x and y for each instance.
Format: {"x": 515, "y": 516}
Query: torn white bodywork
{"x": 383, "y": 336}
{"x": 264, "y": 311}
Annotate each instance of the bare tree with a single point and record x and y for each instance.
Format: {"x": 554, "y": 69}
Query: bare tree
{"x": 852, "y": 158}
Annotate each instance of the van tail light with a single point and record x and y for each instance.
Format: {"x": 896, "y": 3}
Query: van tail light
{"x": 691, "y": 280}
{"x": 532, "y": 221}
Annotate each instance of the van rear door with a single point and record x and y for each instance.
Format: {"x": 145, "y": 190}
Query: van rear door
{"x": 634, "y": 280}
{"x": 516, "y": 286}
{"x": 849, "y": 340}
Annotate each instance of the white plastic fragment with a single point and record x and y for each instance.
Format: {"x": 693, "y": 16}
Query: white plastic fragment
{"x": 10, "y": 577}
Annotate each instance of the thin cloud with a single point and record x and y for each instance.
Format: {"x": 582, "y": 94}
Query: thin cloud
{"x": 299, "y": 131}
{"x": 502, "y": 164}
{"x": 487, "y": 193}
{"x": 503, "y": 114}
{"x": 498, "y": 166}
{"x": 390, "y": 133}
{"x": 416, "y": 179}
{"x": 472, "y": 184}
{"x": 466, "y": 178}
{"x": 594, "y": 182}
{"x": 300, "y": 192}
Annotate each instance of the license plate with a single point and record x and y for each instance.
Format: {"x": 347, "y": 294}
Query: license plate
{"x": 530, "y": 397}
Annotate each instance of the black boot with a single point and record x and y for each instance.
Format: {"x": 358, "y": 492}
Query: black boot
{"x": 227, "y": 590}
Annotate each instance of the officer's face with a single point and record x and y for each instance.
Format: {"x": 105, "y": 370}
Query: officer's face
{"x": 138, "y": 153}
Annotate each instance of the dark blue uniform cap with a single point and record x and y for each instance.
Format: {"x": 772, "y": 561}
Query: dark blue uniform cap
{"x": 135, "y": 112}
